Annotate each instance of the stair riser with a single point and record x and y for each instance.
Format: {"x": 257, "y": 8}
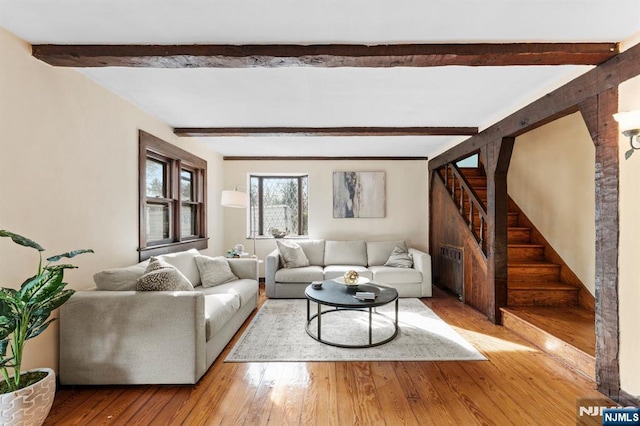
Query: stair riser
{"x": 518, "y": 236}
{"x": 512, "y": 219}
{"x": 477, "y": 180}
{"x": 542, "y": 298}
{"x": 538, "y": 273}
{"x": 482, "y": 192}
{"x": 526, "y": 254}
{"x": 472, "y": 171}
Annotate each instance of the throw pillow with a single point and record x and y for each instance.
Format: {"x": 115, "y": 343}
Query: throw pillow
{"x": 183, "y": 261}
{"x": 214, "y": 270}
{"x": 399, "y": 258}
{"x": 161, "y": 276}
{"x": 120, "y": 279}
{"x": 292, "y": 254}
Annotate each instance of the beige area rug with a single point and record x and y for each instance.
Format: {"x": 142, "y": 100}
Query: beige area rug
{"x": 277, "y": 333}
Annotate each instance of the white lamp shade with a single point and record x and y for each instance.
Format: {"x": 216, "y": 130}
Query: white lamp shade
{"x": 236, "y": 199}
{"x": 629, "y": 120}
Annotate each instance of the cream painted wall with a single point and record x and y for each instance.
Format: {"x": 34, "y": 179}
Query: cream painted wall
{"x": 69, "y": 174}
{"x": 407, "y": 205}
{"x": 629, "y": 267}
{"x": 551, "y": 177}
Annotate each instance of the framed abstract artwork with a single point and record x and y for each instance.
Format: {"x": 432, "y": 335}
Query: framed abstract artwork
{"x": 359, "y": 194}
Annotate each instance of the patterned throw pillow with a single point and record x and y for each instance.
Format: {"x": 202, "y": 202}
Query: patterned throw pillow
{"x": 399, "y": 258}
{"x": 214, "y": 270}
{"x": 292, "y": 254}
{"x": 161, "y": 276}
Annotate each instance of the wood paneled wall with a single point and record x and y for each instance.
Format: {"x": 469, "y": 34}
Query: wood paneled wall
{"x": 448, "y": 227}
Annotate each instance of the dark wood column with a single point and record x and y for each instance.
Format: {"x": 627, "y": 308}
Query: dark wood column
{"x": 597, "y": 112}
{"x": 497, "y": 157}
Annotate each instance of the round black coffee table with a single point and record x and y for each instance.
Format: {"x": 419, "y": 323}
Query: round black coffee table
{"x": 342, "y": 298}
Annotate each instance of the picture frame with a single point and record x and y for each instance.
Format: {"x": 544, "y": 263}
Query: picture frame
{"x": 359, "y": 194}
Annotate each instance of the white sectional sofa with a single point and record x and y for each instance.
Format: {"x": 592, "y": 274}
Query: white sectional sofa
{"x": 124, "y": 336}
{"x": 330, "y": 259}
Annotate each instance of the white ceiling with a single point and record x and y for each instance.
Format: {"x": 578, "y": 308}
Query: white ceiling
{"x": 326, "y": 97}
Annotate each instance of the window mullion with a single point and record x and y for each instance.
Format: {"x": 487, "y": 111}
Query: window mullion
{"x": 299, "y": 230}
{"x": 177, "y": 201}
{"x": 200, "y": 195}
{"x": 260, "y": 206}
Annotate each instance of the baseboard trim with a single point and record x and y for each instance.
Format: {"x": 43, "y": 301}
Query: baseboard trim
{"x": 627, "y": 399}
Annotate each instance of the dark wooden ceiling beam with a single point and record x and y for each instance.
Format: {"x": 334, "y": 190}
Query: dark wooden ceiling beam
{"x": 562, "y": 101}
{"x": 297, "y": 158}
{"x": 324, "y": 56}
{"x": 324, "y": 131}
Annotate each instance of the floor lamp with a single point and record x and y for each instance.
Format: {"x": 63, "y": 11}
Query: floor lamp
{"x": 239, "y": 200}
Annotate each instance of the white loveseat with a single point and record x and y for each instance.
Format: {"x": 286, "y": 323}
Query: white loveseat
{"x": 330, "y": 259}
{"x": 152, "y": 337}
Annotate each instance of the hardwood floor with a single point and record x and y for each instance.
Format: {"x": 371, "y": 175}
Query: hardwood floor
{"x": 517, "y": 385}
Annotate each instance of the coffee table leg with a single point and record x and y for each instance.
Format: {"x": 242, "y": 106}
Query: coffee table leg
{"x": 319, "y": 322}
{"x": 370, "y": 333}
{"x": 397, "y": 313}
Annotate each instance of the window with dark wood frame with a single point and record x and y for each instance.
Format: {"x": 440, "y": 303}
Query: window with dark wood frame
{"x": 173, "y": 188}
{"x": 279, "y": 202}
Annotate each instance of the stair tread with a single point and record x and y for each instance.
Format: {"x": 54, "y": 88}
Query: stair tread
{"x": 524, "y": 245}
{"x": 541, "y": 285}
{"x": 519, "y": 228}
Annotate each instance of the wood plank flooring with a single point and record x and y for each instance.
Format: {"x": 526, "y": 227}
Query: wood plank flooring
{"x": 517, "y": 385}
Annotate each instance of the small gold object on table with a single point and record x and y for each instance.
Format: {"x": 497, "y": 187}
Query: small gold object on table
{"x": 351, "y": 277}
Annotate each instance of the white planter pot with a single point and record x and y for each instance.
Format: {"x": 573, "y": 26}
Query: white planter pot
{"x": 29, "y": 406}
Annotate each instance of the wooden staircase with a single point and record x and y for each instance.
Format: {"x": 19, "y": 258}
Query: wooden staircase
{"x": 540, "y": 307}
{"x": 531, "y": 280}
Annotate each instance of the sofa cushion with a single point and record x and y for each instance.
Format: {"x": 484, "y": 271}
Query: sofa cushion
{"x": 314, "y": 250}
{"x": 214, "y": 270}
{"x": 378, "y": 251}
{"x": 399, "y": 258}
{"x": 300, "y": 275}
{"x": 292, "y": 254}
{"x": 390, "y": 275}
{"x": 345, "y": 253}
{"x": 161, "y": 276}
{"x": 185, "y": 262}
{"x": 120, "y": 279}
{"x": 336, "y": 271}
{"x": 245, "y": 289}
{"x": 218, "y": 309}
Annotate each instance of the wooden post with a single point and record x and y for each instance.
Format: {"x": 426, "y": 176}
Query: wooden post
{"x": 597, "y": 112}
{"x": 497, "y": 157}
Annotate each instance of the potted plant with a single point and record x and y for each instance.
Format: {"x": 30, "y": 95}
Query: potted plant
{"x": 24, "y": 314}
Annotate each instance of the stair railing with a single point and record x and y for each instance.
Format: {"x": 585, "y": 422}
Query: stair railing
{"x": 460, "y": 190}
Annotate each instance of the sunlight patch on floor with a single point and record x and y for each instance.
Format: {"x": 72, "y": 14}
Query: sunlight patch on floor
{"x": 487, "y": 344}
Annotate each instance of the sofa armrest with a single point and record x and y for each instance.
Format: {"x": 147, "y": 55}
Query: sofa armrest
{"x": 422, "y": 263}
{"x": 271, "y": 265}
{"x": 244, "y": 268}
{"x": 129, "y": 337}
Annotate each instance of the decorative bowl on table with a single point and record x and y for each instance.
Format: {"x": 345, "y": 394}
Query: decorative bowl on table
{"x": 351, "y": 279}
